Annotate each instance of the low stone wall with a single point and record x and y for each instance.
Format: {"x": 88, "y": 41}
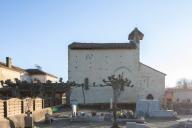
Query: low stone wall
{"x": 88, "y": 119}
{"x": 15, "y": 106}
{"x": 32, "y": 104}
{"x": 1, "y": 108}
{"x": 39, "y": 115}
{"x": 18, "y": 121}
{"x": 102, "y": 106}
{"x": 4, "y": 123}
{"x": 12, "y": 107}
{"x": 27, "y": 104}
{"x": 38, "y": 104}
{"x": 183, "y": 108}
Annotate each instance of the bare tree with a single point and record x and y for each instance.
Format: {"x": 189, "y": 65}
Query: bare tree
{"x": 38, "y": 66}
{"x": 184, "y": 83}
{"x": 2, "y": 83}
{"x": 61, "y": 80}
{"x": 70, "y": 84}
{"x": 85, "y": 86}
{"x": 117, "y": 83}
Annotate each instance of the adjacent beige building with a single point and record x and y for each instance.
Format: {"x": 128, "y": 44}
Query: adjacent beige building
{"x": 37, "y": 74}
{"x": 9, "y": 71}
{"x": 97, "y": 61}
{"x": 178, "y": 98}
{"x": 178, "y": 95}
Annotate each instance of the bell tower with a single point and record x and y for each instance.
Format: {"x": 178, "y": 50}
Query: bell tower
{"x": 135, "y": 36}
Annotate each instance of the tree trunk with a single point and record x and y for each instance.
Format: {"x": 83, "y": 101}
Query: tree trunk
{"x": 115, "y": 125}
{"x": 83, "y": 91}
{"x": 68, "y": 94}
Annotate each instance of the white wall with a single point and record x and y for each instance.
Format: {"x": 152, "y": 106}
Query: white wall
{"x": 42, "y": 78}
{"x": 151, "y": 82}
{"x": 99, "y": 64}
{"x": 25, "y": 77}
{"x": 53, "y": 79}
{"x": 183, "y": 95}
{"x": 6, "y": 73}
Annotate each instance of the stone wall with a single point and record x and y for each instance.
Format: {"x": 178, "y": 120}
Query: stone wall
{"x": 39, "y": 115}
{"x": 38, "y": 103}
{"x": 12, "y": 107}
{"x": 1, "y": 108}
{"x": 15, "y": 106}
{"x": 151, "y": 82}
{"x": 8, "y": 73}
{"x": 18, "y": 121}
{"x": 183, "y": 108}
{"x": 97, "y": 65}
{"x": 4, "y": 123}
{"x": 27, "y": 104}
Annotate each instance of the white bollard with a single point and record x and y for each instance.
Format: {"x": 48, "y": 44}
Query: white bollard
{"x": 74, "y": 110}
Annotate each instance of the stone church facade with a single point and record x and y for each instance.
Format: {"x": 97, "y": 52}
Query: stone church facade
{"x": 97, "y": 61}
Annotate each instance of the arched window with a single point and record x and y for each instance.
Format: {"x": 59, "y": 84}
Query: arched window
{"x": 149, "y": 97}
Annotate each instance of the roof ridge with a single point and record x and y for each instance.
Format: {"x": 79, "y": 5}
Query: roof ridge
{"x": 152, "y": 68}
{"x": 33, "y": 71}
{"x": 13, "y": 67}
{"x": 79, "y": 45}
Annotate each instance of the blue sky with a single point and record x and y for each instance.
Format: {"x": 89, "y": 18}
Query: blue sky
{"x": 39, "y": 31}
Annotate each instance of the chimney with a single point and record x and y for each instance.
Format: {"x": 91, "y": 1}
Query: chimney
{"x": 8, "y": 62}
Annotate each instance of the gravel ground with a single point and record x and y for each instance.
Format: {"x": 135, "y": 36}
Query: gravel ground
{"x": 61, "y": 120}
{"x": 65, "y": 123}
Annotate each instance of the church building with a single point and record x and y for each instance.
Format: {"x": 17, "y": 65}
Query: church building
{"x": 96, "y": 61}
